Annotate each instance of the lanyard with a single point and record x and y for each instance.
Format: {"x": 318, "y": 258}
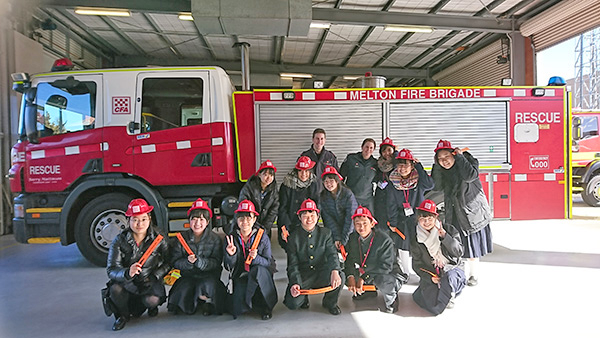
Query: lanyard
{"x": 368, "y": 250}
{"x": 406, "y": 194}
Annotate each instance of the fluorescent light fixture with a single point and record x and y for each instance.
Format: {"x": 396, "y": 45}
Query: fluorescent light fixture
{"x": 186, "y": 17}
{"x": 408, "y": 28}
{"x": 351, "y": 77}
{"x": 322, "y": 25}
{"x": 102, "y": 11}
{"x": 300, "y": 75}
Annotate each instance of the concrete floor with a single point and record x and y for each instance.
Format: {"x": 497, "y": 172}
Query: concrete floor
{"x": 540, "y": 281}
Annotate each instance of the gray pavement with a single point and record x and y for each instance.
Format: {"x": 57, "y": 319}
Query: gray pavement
{"x": 540, "y": 281}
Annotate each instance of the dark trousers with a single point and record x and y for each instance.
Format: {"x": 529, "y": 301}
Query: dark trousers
{"x": 316, "y": 280}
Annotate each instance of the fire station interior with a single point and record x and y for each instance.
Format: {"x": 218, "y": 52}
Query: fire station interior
{"x": 539, "y": 279}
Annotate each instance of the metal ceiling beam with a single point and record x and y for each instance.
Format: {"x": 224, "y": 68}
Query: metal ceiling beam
{"x": 313, "y": 61}
{"x": 483, "y": 42}
{"x": 122, "y": 35}
{"x": 149, "y": 6}
{"x": 448, "y": 51}
{"x": 260, "y": 67}
{"x": 160, "y": 34}
{"x": 438, "y": 21}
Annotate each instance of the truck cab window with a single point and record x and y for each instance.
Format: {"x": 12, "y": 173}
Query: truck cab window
{"x": 589, "y": 126}
{"x": 171, "y": 103}
{"x": 62, "y": 111}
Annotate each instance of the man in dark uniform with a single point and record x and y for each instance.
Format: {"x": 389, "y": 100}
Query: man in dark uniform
{"x": 359, "y": 171}
{"x": 321, "y": 156}
{"x": 312, "y": 262}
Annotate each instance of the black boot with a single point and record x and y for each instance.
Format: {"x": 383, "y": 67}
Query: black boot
{"x": 119, "y": 323}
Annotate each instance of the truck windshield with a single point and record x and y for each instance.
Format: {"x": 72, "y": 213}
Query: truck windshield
{"x": 60, "y": 111}
{"x": 589, "y": 126}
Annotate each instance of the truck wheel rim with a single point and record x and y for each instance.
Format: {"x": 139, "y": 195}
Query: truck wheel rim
{"x": 106, "y": 226}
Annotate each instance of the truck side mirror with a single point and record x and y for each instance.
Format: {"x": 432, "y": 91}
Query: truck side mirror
{"x": 31, "y": 115}
{"x": 577, "y": 130}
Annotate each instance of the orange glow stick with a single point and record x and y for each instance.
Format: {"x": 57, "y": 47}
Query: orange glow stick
{"x": 255, "y": 244}
{"x": 369, "y": 288}
{"x": 343, "y": 252}
{"x": 184, "y": 244}
{"x": 316, "y": 291}
{"x": 150, "y": 250}
{"x": 394, "y": 229}
{"x": 284, "y": 233}
{"x": 429, "y": 272}
{"x": 462, "y": 150}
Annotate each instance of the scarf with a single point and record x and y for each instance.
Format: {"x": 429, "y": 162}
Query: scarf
{"x": 385, "y": 165}
{"x": 292, "y": 181}
{"x": 401, "y": 183}
{"x": 433, "y": 244}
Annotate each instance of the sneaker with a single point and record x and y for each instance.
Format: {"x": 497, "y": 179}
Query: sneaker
{"x": 472, "y": 281}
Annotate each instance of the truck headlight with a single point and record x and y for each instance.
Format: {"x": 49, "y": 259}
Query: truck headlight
{"x": 19, "y": 211}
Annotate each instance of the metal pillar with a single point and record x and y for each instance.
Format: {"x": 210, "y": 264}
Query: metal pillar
{"x": 245, "y": 51}
{"x": 586, "y": 87}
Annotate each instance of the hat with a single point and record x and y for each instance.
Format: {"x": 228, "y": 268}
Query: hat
{"x": 329, "y": 170}
{"x": 200, "y": 204}
{"x": 304, "y": 163}
{"x": 308, "y": 205}
{"x": 443, "y": 144}
{"x": 405, "y": 154}
{"x": 363, "y": 211}
{"x": 266, "y": 165}
{"x": 247, "y": 206}
{"x": 429, "y": 206}
{"x": 137, "y": 207}
{"x": 387, "y": 142}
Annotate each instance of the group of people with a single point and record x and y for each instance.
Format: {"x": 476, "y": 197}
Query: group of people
{"x": 376, "y": 222}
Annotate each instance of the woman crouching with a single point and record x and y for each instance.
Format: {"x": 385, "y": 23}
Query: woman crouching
{"x": 135, "y": 287}
{"x": 253, "y": 285}
{"x": 200, "y": 283}
{"x": 437, "y": 253}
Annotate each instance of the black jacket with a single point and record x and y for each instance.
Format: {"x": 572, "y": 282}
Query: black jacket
{"x": 360, "y": 174}
{"x": 452, "y": 249}
{"x": 337, "y": 212}
{"x": 322, "y": 160}
{"x": 309, "y": 253}
{"x": 380, "y": 261}
{"x": 464, "y": 200}
{"x": 208, "y": 251}
{"x": 235, "y": 264}
{"x": 266, "y": 206}
{"x": 290, "y": 199}
{"x": 123, "y": 252}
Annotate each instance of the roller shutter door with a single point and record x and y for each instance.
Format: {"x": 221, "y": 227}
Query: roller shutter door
{"x": 285, "y": 130}
{"x": 479, "y": 69}
{"x": 481, "y": 126}
{"x": 561, "y": 22}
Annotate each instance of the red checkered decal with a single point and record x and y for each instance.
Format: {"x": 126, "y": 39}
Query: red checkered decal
{"x": 121, "y": 104}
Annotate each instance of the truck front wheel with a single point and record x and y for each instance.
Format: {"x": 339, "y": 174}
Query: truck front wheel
{"x": 98, "y": 223}
{"x": 591, "y": 192}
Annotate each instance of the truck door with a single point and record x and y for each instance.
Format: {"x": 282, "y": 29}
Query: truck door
{"x": 173, "y": 144}
{"x": 70, "y": 142}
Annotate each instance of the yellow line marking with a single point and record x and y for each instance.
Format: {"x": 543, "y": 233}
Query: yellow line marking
{"x": 9, "y": 246}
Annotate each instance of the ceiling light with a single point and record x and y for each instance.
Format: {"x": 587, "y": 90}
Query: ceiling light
{"x": 351, "y": 77}
{"x": 102, "y": 11}
{"x": 186, "y": 17}
{"x": 408, "y": 28}
{"x": 322, "y": 25}
{"x": 300, "y": 75}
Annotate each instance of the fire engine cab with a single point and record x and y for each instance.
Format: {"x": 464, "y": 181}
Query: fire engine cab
{"x": 92, "y": 140}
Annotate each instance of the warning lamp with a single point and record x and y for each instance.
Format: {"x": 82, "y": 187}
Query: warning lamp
{"x": 538, "y": 91}
{"x": 62, "y": 64}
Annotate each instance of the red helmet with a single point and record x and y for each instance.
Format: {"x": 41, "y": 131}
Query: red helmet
{"x": 200, "y": 204}
{"x": 329, "y": 170}
{"x": 137, "y": 207}
{"x": 363, "y": 211}
{"x": 304, "y": 163}
{"x": 247, "y": 206}
{"x": 443, "y": 144}
{"x": 405, "y": 154}
{"x": 266, "y": 165}
{"x": 387, "y": 142}
{"x": 308, "y": 205}
{"x": 429, "y": 206}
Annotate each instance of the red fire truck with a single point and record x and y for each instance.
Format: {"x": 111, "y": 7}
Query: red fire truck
{"x": 586, "y": 156}
{"x": 92, "y": 140}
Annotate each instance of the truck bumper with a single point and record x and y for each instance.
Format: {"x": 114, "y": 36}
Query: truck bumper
{"x": 35, "y": 222}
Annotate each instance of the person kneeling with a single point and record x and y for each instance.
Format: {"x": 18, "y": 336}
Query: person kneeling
{"x": 253, "y": 285}
{"x": 437, "y": 252}
{"x": 200, "y": 283}
{"x": 372, "y": 260}
{"x": 312, "y": 262}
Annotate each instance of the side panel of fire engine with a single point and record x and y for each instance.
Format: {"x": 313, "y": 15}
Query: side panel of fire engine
{"x": 538, "y": 156}
{"x": 70, "y": 145}
{"x": 243, "y": 111}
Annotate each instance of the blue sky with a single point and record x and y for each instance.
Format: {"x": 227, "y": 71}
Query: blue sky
{"x": 557, "y": 61}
